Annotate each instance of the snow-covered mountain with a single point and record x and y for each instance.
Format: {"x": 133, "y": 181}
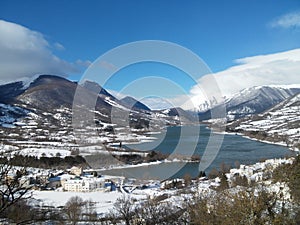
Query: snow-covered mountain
{"x": 280, "y": 124}
{"x": 257, "y": 99}
{"x": 254, "y": 100}
{"x": 156, "y": 103}
{"x": 48, "y": 93}
{"x": 39, "y": 115}
{"x": 203, "y": 105}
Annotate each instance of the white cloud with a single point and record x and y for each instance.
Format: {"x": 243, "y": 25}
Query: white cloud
{"x": 58, "y": 46}
{"x": 273, "y": 69}
{"x": 281, "y": 68}
{"x": 83, "y": 63}
{"x": 289, "y": 20}
{"x": 25, "y": 53}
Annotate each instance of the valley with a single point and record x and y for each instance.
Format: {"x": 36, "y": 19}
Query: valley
{"x": 149, "y": 112}
{"x": 133, "y": 156}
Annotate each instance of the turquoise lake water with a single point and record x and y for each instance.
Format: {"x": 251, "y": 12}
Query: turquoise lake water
{"x": 194, "y": 139}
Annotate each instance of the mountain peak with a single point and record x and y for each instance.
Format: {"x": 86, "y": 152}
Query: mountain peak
{"x": 96, "y": 88}
{"x": 47, "y": 79}
{"x": 133, "y": 103}
{"x": 9, "y": 91}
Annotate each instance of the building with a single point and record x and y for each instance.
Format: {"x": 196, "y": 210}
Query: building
{"x": 77, "y": 171}
{"x": 64, "y": 178}
{"x": 84, "y": 184}
{"x": 54, "y": 182}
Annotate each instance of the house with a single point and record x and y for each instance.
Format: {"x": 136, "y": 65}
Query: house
{"x": 77, "y": 171}
{"x": 170, "y": 184}
{"x": 54, "y": 182}
{"x": 25, "y": 181}
{"x": 84, "y": 184}
{"x": 64, "y": 178}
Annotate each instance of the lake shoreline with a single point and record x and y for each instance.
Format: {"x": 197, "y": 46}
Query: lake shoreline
{"x": 262, "y": 141}
{"x": 242, "y": 152}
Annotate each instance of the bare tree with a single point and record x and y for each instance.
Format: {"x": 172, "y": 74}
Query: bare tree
{"x": 152, "y": 212}
{"x": 149, "y": 212}
{"x": 187, "y": 179}
{"x": 74, "y": 209}
{"x": 12, "y": 187}
{"x": 90, "y": 212}
{"x": 124, "y": 209}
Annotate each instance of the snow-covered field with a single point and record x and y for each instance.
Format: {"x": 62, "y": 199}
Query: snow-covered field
{"x": 39, "y": 152}
{"x": 104, "y": 200}
{"x": 52, "y": 133}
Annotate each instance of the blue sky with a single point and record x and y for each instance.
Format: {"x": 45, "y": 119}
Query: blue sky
{"x": 220, "y": 32}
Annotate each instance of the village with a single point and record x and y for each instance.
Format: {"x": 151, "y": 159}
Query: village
{"x": 74, "y": 179}
{"x": 55, "y": 188}
{"x": 77, "y": 179}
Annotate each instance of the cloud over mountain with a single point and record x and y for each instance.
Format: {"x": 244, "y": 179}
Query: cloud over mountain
{"x": 272, "y": 69}
{"x": 279, "y": 68}
{"x": 25, "y": 53}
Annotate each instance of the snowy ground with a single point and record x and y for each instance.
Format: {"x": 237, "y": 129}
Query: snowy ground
{"x": 52, "y": 133}
{"x": 104, "y": 200}
{"x": 280, "y": 125}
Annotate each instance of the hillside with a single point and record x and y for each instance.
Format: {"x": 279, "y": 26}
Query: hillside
{"x": 280, "y": 124}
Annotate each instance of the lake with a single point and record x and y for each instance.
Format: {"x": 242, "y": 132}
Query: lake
{"x": 194, "y": 140}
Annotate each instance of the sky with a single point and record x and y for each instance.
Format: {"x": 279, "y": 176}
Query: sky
{"x": 243, "y": 43}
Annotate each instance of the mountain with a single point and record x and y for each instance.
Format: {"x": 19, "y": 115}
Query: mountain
{"x": 253, "y": 101}
{"x": 48, "y": 92}
{"x": 9, "y": 92}
{"x": 156, "y": 103}
{"x": 280, "y": 124}
{"x": 257, "y": 99}
{"x": 133, "y": 103}
{"x": 95, "y": 87}
{"x": 38, "y": 116}
{"x": 180, "y": 113}
{"x": 51, "y": 98}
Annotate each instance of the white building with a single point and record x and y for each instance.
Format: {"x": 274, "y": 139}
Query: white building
{"x": 84, "y": 184}
{"x": 76, "y": 171}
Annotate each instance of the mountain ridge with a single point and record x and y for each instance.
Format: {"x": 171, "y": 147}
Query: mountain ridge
{"x": 133, "y": 103}
{"x": 49, "y": 93}
{"x": 280, "y": 124}
{"x": 253, "y": 100}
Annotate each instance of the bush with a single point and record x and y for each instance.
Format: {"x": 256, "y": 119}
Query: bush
{"x": 239, "y": 208}
{"x": 20, "y": 212}
{"x": 290, "y": 173}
